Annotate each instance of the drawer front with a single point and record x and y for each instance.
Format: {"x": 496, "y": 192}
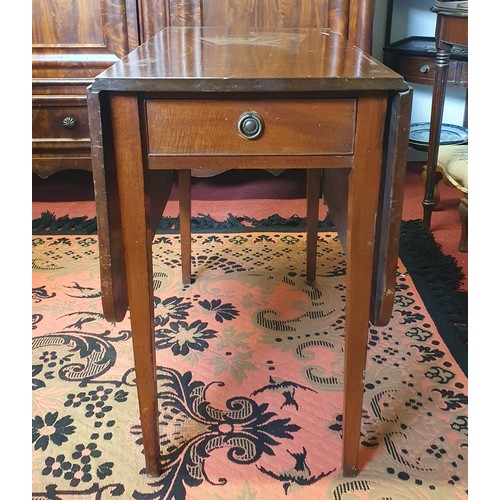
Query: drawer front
{"x": 58, "y": 121}
{"x": 289, "y": 127}
{"x": 422, "y": 70}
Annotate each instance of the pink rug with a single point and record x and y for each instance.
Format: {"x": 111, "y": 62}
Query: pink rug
{"x": 250, "y": 380}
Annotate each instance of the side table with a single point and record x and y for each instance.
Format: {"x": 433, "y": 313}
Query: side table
{"x": 210, "y": 98}
{"x": 451, "y": 29}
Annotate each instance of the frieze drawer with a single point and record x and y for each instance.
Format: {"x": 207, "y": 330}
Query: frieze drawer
{"x": 253, "y": 127}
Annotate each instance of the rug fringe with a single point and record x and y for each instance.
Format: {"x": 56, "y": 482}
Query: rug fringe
{"x": 48, "y": 223}
{"x": 438, "y": 279}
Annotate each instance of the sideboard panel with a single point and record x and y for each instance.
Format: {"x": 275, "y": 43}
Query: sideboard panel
{"x": 72, "y": 42}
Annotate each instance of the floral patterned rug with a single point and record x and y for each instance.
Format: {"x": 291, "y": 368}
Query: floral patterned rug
{"x": 250, "y": 372}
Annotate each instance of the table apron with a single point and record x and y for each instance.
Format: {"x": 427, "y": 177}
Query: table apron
{"x": 247, "y": 162}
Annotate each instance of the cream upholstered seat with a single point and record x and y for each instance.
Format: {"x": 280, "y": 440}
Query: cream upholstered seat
{"x": 452, "y": 164}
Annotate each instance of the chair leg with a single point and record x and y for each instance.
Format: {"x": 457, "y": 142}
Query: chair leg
{"x": 463, "y": 208}
{"x": 184, "y": 177}
{"x": 312, "y": 195}
{"x": 438, "y": 177}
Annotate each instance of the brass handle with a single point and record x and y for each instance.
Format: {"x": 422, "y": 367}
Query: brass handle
{"x": 425, "y": 68}
{"x": 69, "y": 122}
{"x": 250, "y": 125}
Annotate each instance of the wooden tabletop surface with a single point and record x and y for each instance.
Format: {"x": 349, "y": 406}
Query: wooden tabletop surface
{"x": 264, "y": 60}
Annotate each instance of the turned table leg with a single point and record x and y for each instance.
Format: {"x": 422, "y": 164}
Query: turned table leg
{"x": 438, "y": 95}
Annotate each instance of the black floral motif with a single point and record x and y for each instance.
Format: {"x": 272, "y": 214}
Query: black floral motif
{"x": 264, "y": 237}
{"x": 461, "y": 424}
{"x": 56, "y": 466}
{"x": 246, "y": 428}
{"x": 86, "y": 453}
{"x": 451, "y": 399}
{"x": 428, "y": 354}
{"x": 97, "y": 410}
{"x": 400, "y": 285}
{"x": 172, "y": 308}
{"x": 78, "y": 473}
{"x": 418, "y": 333}
{"x": 121, "y": 396}
{"x": 36, "y": 383}
{"x": 238, "y": 240}
{"x": 48, "y": 357}
{"x": 50, "y": 427}
{"x": 181, "y": 337}
{"x": 223, "y": 311}
{"x": 61, "y": 241}
{"x": 299, "y": 473}
{"x": 286, "y": 388}
{"x": 39, "y": 293}
{"x": 439, "y": 375}
{"x": 100, "y": 393}
{"x": 403, "y": 301}
{"x": 212, "y": 239}
{"x": 410, "y": 317}
{"x": 76, "y": 400}
{"x": 104, "y": 470}
{"x": 289, "y": 239}
{"x": 86, "y": 242}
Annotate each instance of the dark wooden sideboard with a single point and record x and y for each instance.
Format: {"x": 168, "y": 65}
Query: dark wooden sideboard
{"x": 72, "y": 43}
{"x": 75, "y": 41}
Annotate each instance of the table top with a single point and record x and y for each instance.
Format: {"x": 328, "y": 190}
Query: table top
{"x": 450, "y": 12}
{"x": 265, "y": 60}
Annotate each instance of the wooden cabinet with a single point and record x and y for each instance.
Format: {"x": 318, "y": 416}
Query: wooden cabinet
{"x": 75, "y": 41}
{"x": 241, "y": 14}
{"x": 72, "y": 43}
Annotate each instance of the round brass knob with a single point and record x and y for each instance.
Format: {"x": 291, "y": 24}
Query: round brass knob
{"x": 69, "y": 122}
{"x": 425, "y": 68}
{"x": 250, "y": 125}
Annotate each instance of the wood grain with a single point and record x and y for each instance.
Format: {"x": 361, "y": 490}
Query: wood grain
{"x": 132, "y": 189}
{"x": 364, "y": 185}
{"x": 210, "y": 127}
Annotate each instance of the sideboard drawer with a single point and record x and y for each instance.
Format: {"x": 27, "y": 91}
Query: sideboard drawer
{"x": 424, "y": 68}
{"x": 55, "y": 120}
{"x": 415, "y": 59}
{"x": 287, "y": 127}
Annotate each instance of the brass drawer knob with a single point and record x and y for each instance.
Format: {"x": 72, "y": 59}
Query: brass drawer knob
{"x": 250, "y": 125}
{"x": 69, "y": 122}
{"x": 425, "y": 68}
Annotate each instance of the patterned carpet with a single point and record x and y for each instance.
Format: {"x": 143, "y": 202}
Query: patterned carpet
{"x": 250, "y": 380}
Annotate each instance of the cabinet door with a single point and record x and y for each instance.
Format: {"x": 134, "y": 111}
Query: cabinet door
{"x": 73, "y": 41}
{"x": 157, "y": 14}
{"x": 81, "y": 38}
